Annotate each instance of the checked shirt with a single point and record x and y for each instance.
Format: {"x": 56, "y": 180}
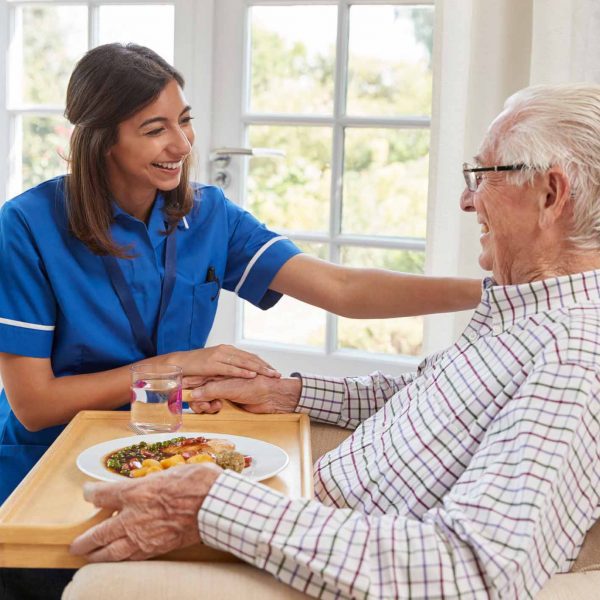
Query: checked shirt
{"x": 477, "y": 476}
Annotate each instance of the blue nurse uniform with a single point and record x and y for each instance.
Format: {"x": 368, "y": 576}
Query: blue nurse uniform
{"x": 57, "y": 301}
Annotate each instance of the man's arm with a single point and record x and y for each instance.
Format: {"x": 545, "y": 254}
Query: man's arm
{"x": 517, "y": 514}
{"x": 344, "y": 402}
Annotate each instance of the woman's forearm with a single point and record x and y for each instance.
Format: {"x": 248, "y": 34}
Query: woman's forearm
{"x": 372, "y": 293}
{"x": 39, "y": 399}
{"x": 377, "y": 293}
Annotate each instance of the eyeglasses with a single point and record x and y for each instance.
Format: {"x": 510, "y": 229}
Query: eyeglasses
{"x": 472, "y": 174}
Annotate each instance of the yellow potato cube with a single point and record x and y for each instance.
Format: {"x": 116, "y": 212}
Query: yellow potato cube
{"x": 199, "y": 458}
{"x": 154, "y": 469}
{"x": 167, "y": 463}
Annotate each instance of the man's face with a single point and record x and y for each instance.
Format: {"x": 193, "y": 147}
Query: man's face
{"x": 508, "y": 216}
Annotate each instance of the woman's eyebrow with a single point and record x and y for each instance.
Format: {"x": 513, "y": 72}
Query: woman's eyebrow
{"x": 162, "y": 119}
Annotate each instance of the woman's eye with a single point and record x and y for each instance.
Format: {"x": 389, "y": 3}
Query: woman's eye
{"x": 154, "y": 132}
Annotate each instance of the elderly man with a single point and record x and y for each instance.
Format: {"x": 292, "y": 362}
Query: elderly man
{"x": 477, "y": 475}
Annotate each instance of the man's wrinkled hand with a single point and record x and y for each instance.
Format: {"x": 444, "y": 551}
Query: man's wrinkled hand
{"x": 154, "y": 514}
{"x": 258, "y": 395}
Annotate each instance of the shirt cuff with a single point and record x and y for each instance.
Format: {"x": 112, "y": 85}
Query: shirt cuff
{"x": 322, "y": 398}
{"x": 236, "y": 515}
{"x": 26, "y": 339}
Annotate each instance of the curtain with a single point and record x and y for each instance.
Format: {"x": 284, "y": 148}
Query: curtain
{"x": 485, "y": 50}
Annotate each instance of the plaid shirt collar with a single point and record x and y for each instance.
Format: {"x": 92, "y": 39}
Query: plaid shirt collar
{"x": 509, "y": 304}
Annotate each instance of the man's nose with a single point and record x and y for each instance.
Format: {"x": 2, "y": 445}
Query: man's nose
{"x": 466, "y": 201}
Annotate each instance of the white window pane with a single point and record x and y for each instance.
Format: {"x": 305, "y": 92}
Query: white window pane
{"x": 292, "y": 59}
{"x": 291, "y": 193}
{"x": 389, "y": 63}
{"x": 290, "y": 321}
{"x": 147, "y": 25}
{"x": 54, "y": 38}
{"x": 385, "y": 181}
{"x": 382, "y": 336}
{"x": 45, "y": 144}
{"x": 388, "y": 336}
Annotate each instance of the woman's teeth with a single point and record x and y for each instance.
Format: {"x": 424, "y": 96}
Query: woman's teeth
{"x": 169, "y": 165}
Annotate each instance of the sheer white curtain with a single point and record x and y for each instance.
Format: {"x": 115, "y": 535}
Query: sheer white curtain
{"x": 485, "y": 51}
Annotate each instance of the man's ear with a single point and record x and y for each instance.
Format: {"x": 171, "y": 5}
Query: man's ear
{"x": 555, "y": 197}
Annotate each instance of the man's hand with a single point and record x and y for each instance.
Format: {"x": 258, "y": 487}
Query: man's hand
{"x": 155, "y": 514}
{"x": 259, "y": 395}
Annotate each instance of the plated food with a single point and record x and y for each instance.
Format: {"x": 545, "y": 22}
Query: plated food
{"x": 267, "y": 459}
{"x": 144, "y": 458}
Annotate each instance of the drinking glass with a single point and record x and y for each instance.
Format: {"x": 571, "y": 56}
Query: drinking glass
{"x": 155, "y": 398}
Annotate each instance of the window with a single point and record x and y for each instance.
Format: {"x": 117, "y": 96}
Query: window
{"x": 344, "y": 89}
{"x": 46, "y": 39}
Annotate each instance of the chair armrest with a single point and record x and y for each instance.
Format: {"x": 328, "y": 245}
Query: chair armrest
{"x": 324, "y": 438}
{"x": 589, "y": 555}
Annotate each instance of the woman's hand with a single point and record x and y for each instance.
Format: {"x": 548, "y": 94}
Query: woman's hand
{"x": 222, "y": 360}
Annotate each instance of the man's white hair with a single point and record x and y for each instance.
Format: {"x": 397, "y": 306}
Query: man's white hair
{"x": 558, "y": 125}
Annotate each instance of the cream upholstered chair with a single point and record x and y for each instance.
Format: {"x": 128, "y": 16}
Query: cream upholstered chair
{"x": 164, "y": 580}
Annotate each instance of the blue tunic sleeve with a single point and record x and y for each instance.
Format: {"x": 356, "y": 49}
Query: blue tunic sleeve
{"x": 255, "y": 256}
{"x": 27, "y": 303}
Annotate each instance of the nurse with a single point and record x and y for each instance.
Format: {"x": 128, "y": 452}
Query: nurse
{"x": 123, "y": 260}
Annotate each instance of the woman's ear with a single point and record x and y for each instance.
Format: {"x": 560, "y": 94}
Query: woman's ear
{"x": 555, "y": 197}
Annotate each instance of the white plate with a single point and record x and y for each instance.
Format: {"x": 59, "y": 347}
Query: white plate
{"x": 267, "y": 459}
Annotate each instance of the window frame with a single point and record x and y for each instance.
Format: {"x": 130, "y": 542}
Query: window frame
{"x": 192, "y": 56}
{"x": 215, "y": 92}
{"x": 229, "y": 321}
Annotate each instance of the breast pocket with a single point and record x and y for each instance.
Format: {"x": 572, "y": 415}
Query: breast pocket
{"x": 204, "y": 307}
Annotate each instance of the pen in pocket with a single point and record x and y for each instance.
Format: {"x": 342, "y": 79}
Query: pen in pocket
{"x": 211, "y": 276}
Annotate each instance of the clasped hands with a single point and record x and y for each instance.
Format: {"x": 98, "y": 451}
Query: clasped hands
{"x": 157, "y": 514}
{"x": 244, "y": 378}
{"x": 261, "y": 395}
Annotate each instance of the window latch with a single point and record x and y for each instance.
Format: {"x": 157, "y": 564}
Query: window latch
{"x": 220, "y": 159}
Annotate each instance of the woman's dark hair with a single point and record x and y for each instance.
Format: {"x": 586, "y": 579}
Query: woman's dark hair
{"x": 108, "y": 85}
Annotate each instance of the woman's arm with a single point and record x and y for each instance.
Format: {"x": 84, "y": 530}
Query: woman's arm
{"x": 39, "y": 399}
{"x": 372, "y": 293}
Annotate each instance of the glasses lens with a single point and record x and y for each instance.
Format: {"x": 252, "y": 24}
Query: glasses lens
{"x": 470, "y": 178}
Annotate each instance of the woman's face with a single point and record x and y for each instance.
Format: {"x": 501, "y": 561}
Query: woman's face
{"x": 151, "y": 147}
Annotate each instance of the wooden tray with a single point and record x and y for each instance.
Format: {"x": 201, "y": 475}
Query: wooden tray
{"x": 47, "y": 510}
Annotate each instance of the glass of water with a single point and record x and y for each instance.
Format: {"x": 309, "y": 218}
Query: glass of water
{"x": 155, "y": 398}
